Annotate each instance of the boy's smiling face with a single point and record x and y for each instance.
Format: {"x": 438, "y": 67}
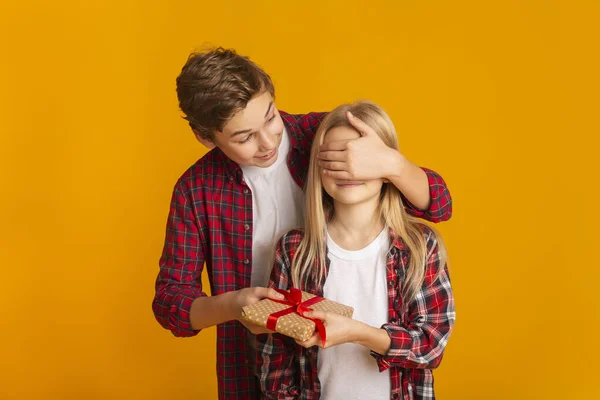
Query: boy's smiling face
{"x": 253, "y": 135}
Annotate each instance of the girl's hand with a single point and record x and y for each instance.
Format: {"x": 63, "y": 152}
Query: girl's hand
{"x": 342, "y": 329}
{"x": 339, "y": 329}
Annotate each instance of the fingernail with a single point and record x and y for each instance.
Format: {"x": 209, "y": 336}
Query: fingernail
{"x": 350, "y": 114}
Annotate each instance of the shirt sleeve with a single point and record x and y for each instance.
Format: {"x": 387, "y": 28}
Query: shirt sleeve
{"x": 310, "y": 123}
{"x": 277, "y": 364}
{"x": 419, "y": 341}
{"x": 179, "y": 280}
{"x": 440, "y": 207}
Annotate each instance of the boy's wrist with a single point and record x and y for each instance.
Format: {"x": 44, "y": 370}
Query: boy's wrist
{"x": 396, "y": 165}
{"x": 208, "y": 311}
{"x": 232, "y": 304}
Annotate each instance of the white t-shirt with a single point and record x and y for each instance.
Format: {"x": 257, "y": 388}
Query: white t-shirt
{"x": 358, "y": 279}
{"x": 277, "y": 207}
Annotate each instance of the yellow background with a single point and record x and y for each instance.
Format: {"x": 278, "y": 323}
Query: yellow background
{"x": 500, "y": 97}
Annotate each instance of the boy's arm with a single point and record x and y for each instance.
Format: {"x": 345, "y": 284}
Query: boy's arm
{"x": 276, "y": 355}
{"x": 180, "y": 304}
{"x": 179, "y": 283}
{"x": 367, "y": 157}
{"x": 213, "y": 310}
{"x": 423, "y": 190}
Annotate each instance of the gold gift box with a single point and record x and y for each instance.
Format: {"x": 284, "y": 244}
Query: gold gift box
{"x": 292, "y": 325}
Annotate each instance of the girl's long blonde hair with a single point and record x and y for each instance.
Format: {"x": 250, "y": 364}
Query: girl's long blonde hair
{"x": 309, "y": 261}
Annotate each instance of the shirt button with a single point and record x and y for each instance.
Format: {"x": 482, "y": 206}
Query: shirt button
{"x": 245, "y": 191}
{"x": 395, "y": 396}
{"x": 391, "y": 283}
{"x": 393, "y": 320}
{"x": 246, "y": 227}
{"x": 231, "y": 179}
{"x": 246, "y": 261}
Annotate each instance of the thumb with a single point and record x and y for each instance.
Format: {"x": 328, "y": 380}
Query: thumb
{"x": 359, "y": 125}
{"x": 274, "y": 294}
{"x": 260, "y": 292}
{"x": 322, "y": 315}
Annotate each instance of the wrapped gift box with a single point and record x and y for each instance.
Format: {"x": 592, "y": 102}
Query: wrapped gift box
{"x": 284, "y": 317}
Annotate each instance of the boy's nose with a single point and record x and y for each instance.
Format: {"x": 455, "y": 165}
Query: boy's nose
{"x": 267, "y": 142}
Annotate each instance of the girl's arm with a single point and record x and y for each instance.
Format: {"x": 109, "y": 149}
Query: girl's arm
{"x": 420, "y": 342}
{"x": 417, "y": 344}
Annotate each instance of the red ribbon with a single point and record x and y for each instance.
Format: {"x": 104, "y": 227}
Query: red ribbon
{"x": 293, "y": 298}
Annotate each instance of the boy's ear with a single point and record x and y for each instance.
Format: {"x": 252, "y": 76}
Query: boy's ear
{"x": 205, "y": 142}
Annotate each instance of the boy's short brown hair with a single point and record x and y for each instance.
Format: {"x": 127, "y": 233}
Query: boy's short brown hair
{"x": 215, "y": 85}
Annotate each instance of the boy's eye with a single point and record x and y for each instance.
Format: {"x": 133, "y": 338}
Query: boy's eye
{"x": 246, "y": 138}
{"x": 272, "y": 118}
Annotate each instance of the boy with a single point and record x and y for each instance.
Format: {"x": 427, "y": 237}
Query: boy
{"x": 230, "y": 207}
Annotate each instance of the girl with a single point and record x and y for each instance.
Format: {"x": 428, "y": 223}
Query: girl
{"x": 360, "y": 248}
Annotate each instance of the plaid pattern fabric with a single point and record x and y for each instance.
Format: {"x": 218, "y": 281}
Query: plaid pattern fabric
{"x": 419, "y": 331}
{"x": 210, "y": 223}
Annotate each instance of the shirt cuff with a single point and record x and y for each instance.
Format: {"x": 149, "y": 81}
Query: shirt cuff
{"x": 179, "y": 313}
{"x": 440, "y": 202}
{"x": 400, "y": 339}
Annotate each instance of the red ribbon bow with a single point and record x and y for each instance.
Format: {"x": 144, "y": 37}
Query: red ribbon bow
{"x": 293, "y": 298}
